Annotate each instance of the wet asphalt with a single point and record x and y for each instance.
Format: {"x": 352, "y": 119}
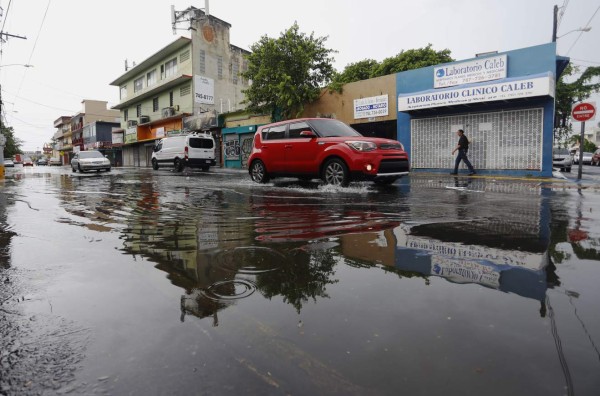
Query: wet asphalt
{"x": 141, "y": 282}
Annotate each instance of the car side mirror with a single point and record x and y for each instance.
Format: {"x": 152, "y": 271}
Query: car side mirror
{"x": 308, "y": 134}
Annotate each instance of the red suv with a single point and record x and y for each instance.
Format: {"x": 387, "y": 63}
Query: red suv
{"x": 327, "y": 149}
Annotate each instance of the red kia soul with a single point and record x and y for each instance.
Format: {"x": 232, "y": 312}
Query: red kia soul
{"x": 327, "y": 149}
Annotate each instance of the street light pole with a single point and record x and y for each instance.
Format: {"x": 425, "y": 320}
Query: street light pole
{"x": 555, "y": 23}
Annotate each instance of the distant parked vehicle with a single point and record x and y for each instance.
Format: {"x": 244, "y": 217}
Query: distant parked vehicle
{"x": 193, "y": 151}
{"x": 54, "y": 162}
{"x": 562, "y": 159}
{"x": 587, "y": 158}
{"x": 596, "y": 158}
{"x": 42, "y": 162}
{"x": 89, "y": 160}
{"x": 27, "y": 161}
{"x": 9, "y": 163}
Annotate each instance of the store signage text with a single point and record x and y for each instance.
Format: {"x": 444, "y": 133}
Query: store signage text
{"x": 540, "y": 86}
{"x": 375, "y": 106}
{"x": 204, "y": 90}
{"x": 469, "y": 72}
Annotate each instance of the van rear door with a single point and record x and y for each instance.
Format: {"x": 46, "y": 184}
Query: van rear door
{"x": 202, "y": 148}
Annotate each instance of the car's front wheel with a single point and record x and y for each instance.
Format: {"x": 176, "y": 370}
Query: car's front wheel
{"x": 79, "y": 168}
{"x": 258, "y": 172}
{"x": 154, "y": 164}
{"x": 73, "y": 169}
{"x": 335, "y": 172}
{"x": 179, "y": 165}
{"x": 568, "y": 169}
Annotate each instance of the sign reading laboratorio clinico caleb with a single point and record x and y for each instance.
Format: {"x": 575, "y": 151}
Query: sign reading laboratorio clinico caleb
{"x": 542, "y": 85}
{"x": 469, "y": 72}
{"x": 374, "y": 106}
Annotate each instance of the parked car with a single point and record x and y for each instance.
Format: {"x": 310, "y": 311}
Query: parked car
{"x": 89, "y": 160}
{"x": 41, "y": 162}
{"x": 562, "y": 159}
{"x": 27, "y": 161}
{"x": 587, "y": 158}
{"x": 194, "y": 151}
{"x": 327, "y": 149}
{"x": 9, "y": 163}
{"x": 55, "y": 162}
{"x": 596, "y": 158}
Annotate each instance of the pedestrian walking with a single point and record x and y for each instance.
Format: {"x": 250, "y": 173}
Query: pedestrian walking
{"x": 463, "y": 148}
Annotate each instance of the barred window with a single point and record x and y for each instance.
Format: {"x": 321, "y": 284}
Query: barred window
{"x": 184, "y": 56}
{"x": 220, "y": 67}
{"x": 185, "y": 90}
{"x": 235, "y": 70}
{"x": 202, "y": 62}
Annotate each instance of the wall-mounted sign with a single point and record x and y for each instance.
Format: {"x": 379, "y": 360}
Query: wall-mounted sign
{"x": 202, "y": 121}
{"x": 474, "y": 71}
{"x": 117, "y": 138}
{"x": 375, "y": 106}
{"x": 160, "y": 132}
{"x": 204, "y": 90}
{"x": 131, "y": 134}
{"x": 537, "y": 86}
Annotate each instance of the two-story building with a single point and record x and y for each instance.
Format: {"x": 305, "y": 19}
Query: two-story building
{"x": 180, "y": 89}
{"x": 92, "y": 111}
{"x": 62, "y": 139}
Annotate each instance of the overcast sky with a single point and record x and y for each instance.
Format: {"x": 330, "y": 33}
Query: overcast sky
{"x": 81, "y": 45}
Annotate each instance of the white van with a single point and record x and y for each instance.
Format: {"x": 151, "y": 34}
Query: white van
{"x": 194, "y": 151}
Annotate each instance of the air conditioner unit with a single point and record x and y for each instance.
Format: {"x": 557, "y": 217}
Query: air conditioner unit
{"x": 131, "y": 123}
{"x": 144, "y": 119}
{"x": 168, "y": 112}
{"x": 175, "y": 108}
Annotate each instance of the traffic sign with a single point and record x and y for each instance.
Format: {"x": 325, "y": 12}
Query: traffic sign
{"x": 584, "y": 111}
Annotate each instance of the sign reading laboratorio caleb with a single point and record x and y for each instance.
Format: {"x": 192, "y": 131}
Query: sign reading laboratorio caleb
{"x": 131, "y": 134}
{"x": 374, "y": 106}
{"x": 469, "y": 72}
{"x": 204, "y": 90}
{"x": 506, "y": 90}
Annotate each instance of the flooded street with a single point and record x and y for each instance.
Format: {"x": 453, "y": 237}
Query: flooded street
{"x": 141, "y": 282}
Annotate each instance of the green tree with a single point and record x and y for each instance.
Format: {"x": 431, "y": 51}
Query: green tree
{"x": 568, "y": 93}
{"x": 361, "y": 70}
{"x": 287, "y": 72}
{"x": 13, "y": 143}
{"x": 412, "y": 59}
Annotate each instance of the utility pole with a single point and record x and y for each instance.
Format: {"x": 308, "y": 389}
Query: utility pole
{"x": 555, "y": 23}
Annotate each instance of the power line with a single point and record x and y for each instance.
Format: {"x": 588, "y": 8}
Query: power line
{"x": 581, "y": 33}
{"x": 6, "y": 15}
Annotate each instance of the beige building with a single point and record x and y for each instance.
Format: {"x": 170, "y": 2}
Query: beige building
{"x": 368, "y": 105}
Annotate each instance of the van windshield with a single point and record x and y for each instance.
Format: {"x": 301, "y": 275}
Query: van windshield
{"x": 333, "y": 128}
{"x": 201, "y": 143}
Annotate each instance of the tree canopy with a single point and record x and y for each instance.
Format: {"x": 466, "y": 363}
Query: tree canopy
{"x": 568, "y": 93}
{"x": 287, "y": 72}
{"x": 13, "y": 144}
{"x": 405, "y": 60}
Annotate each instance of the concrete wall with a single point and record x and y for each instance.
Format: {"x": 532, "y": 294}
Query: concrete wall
{"x": 212, "y": 37}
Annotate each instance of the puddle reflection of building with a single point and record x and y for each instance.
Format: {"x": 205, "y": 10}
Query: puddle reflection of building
{"x": 508, "y": 254}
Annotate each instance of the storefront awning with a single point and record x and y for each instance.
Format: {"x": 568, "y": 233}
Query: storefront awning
{"x": 537, "y": 85}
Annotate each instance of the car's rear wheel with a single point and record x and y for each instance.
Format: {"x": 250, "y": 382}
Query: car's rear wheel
{"x": 258, "y": 172}
{"x": 154, "y": 164}
{"x": 108, "y": 169}
{"x": 79, "y": 168}
{"x": 178, "y": 165}
{"x": 73, "y": 169}
{"x": 335, "y": 172}
{"x": 568, "y": 169}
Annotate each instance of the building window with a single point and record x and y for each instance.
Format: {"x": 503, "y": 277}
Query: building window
{"x": 184, "y": 56}
{"x": 202, "y": 63}
{"x": 126, "y": 115}
{"x": 171, "y": 98}
{"x": 151, "y": 78}
{"x": 185, "y": 90}
{"x": 220, "y": 67}
{"x": 235, "y": 70}
{"x": 155, "y": 104}
{"x": 171, "y": 68}
{"x": 138, "y": 84}
{"x": 138, "y": 110}
{"x": 123, "y": 92}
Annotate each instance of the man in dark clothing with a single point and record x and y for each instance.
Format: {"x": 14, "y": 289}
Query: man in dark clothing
{"x": 462, "y": 148}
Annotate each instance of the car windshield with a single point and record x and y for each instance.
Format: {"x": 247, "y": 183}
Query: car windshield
{"x": 562, "y": 151}
{"x": 333, "y": 128}
{"x": 586, "y": 153}
{"x": 90, "y": 154}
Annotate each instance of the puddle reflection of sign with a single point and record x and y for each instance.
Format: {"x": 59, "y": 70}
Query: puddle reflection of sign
{"x": 232, "y": 147}
{"x": 464, "y": 271}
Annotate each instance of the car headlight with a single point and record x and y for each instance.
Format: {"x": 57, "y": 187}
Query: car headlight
{"x": 360, "y": 145}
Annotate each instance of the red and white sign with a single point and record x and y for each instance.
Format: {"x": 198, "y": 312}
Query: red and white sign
{"x": 584, "y": 111}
